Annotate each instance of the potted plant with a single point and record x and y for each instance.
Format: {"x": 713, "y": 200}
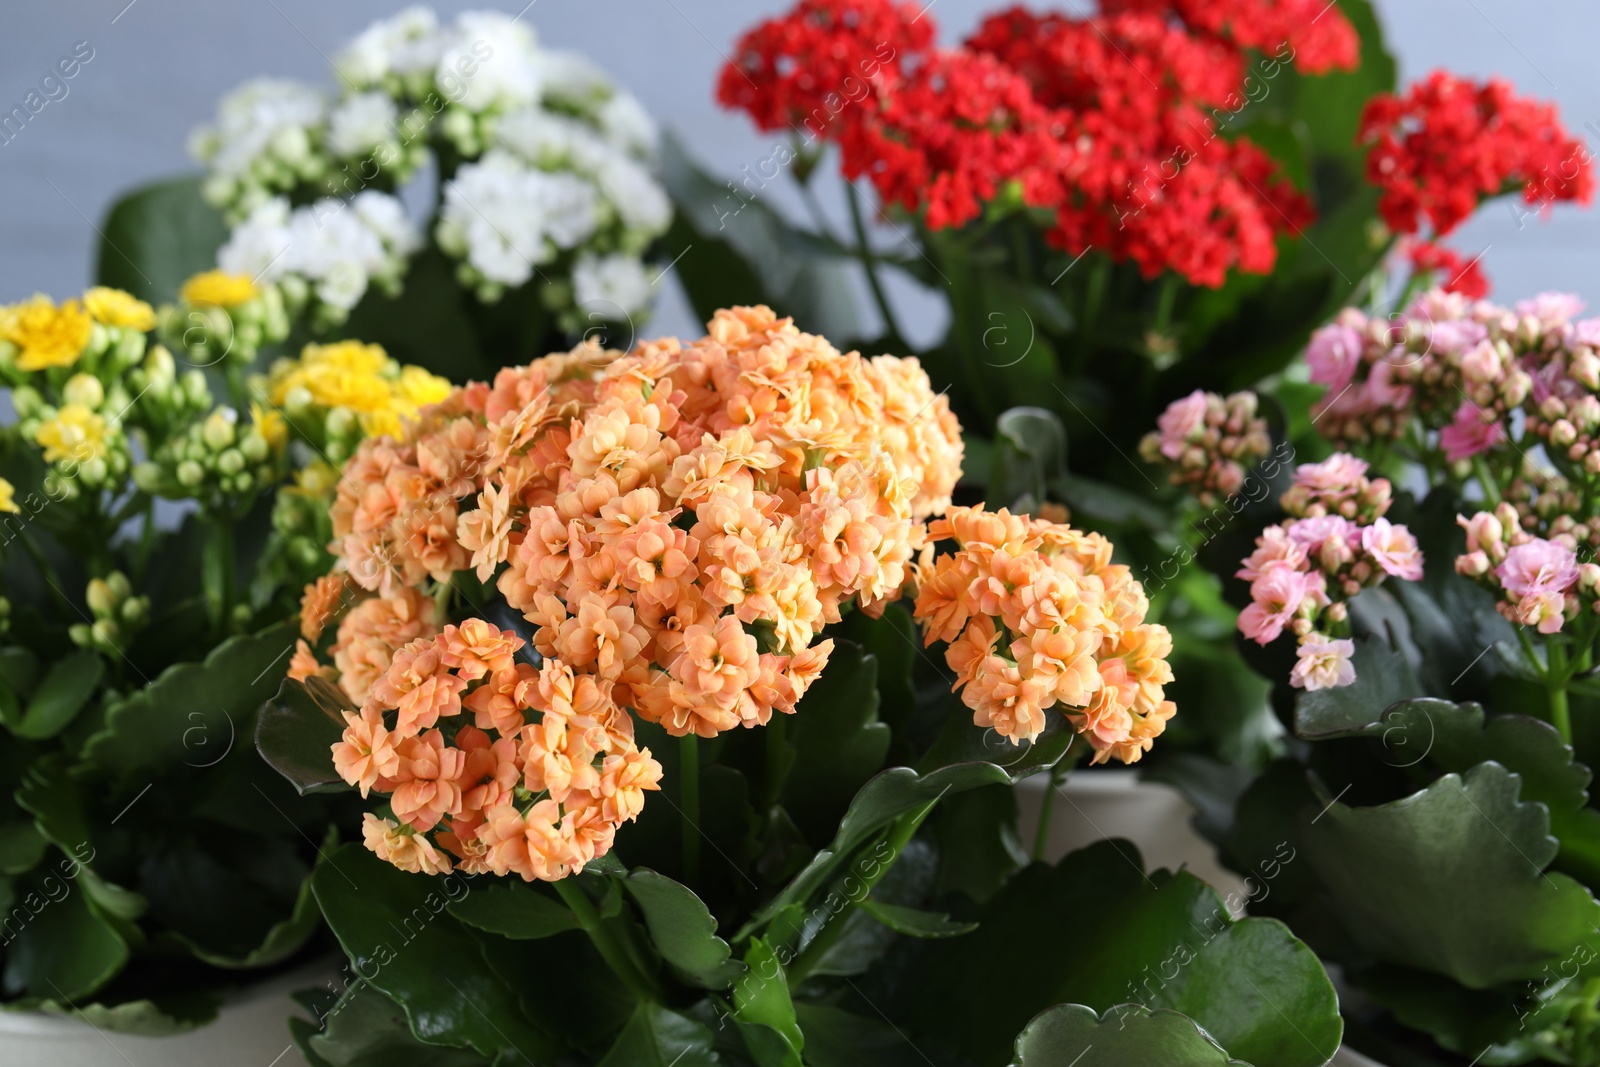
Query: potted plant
{"x": 155, "y": 540}
{"x": 670, "y": 773}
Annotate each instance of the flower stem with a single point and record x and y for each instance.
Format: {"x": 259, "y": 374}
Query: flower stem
{"x": 1041, "y": 837}
{"x": 900, "y": 833}
{"x": 615, "y": 955}
{"x": 869, "y": 263}
{"x": 689, "y": 774}
{"x": 1556, "y": 689}
{"x": 1491, "y": 488}
{"x": 777, "y": 751}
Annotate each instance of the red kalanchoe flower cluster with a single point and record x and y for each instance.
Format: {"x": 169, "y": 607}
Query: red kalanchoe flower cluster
{"x": 1109, "y": 123}
{"x": 1319, "y": 37}
{"x": 1453, "y": 272}
{"x": 1449, "y": 142}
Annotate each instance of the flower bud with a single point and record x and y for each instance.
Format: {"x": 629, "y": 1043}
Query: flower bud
{"x": 218, "y": 430}
{"x": 190, "y": 474}
{"x": 84, "y": 389}
{"x": 1562, "y": 433}
{"x": 1588, "y": 577}
{"x": 1473, "y": 564}
{"x": 102, "y": 601}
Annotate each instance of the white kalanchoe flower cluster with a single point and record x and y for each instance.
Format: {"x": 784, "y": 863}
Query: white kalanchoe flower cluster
{"x": 267, "y": 140}
{"x": 546, "y": 170}
{"x": 330, "y": 251}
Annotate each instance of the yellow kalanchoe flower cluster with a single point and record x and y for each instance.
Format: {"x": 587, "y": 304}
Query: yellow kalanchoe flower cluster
{"x": 218, "y": 288}
{"x": 349, "y": 390}
{"x": 42, "y": 334}
{"x": 220, "y": 316}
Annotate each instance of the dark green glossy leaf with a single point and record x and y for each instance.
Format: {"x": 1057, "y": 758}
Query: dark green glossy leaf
{"x": 734, "y": 249}
{"x": 1163, "y": 941}
{"x": 64, "y": 690}
{"x": 161, "y": 1017}
{"x": 838, "y": 741}
{"x": 194, "y": 713}
{"x": 60, "y": 946}
{"x": 297, "y": 729}
{"x": 21, "y": 847}
{"x": 1466, "y": 839}
{"x": 839, "y": 1038}
{"x": 1383, "y": 677}
{"x": 657, "y": 1037}
{"x": 914, "y": 922}
{"x": 955, "y": 763}
{"x": 1071, "y": 1034}
{"x": 367, "y": 1029}
{"x": 156, "y": 237}
{"x": 682, "y": 930}
{"x": 283, "y": 939}
{"x": 519, "y": 912}
{"x": 763, "y": 1010}
{"x": 399, "y": 935}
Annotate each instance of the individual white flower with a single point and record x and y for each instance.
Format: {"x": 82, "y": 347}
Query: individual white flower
{"x": 489, "y": 60}
{"x": 360, "y": 123}
{"x": 629, "y": 126}
{"x": 638, "y": 198}
{"x": 505, "y": 218}
{"x": 551, "y": 141}
{"x": 386, "y": 217}
{"x": 254, "y": 117}
{"x": 574, "y": 80}
{"x": 257, "y": 248}
{"x": 610, "y": 287}
{"x": 407, "y": 44}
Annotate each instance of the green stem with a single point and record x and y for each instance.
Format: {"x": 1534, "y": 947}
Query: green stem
{"x": 613, "y": 952}
{"x": 237, "y": 393}
{"x": 1166, "y": 299}
{"x": 900, "y": 833}
{"x": 689, "y": 775}
{"x": 223, "y": 595}
{"x": 41, "y": 561}
{"x": 1556, "y": 689}
{"x": 1530, "y": 653}
{"x": 1041, "y": 837}
{"x": 1491, "y": 488}
{"x": 869, "y": 263}
{"x": 777, "y": 758}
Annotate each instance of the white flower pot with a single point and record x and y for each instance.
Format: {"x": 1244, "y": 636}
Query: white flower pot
{"x": 1094, "y": 805}
{"x": 251, "y": 1029}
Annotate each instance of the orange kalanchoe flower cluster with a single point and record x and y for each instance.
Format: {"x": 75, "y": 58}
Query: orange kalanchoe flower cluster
{"x": 1036, "y": 615}
{"x": 676, "y": 525}
{"x": 536, "y": 785}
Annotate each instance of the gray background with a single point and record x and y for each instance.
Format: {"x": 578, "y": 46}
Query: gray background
{"x": 160, "y": 65}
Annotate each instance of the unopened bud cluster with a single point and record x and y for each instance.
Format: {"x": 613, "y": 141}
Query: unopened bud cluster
{"x": 217, "y": 462}
{"x": 118, "y": 615}
{"x": 1209, "y": 443}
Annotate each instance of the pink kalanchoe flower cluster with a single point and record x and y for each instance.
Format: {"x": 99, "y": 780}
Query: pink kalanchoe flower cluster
{"x": 1538, "y": 581}
{"x": 1335, "y": 543}
{"x": 1210, "y": 442}
{"x": 1448, "y": 374}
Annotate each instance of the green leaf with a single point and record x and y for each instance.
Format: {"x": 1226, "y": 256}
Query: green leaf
{"x": 763, "y": 1010}
{"x": 1383, "y": 677}
{"x": 521, "y": 913}
{"x": 64, "y": 949}
{"x": 156, "y": 237}
{"x": 736, "y": 250}
{"x": 21, "y": 847}
{"x": 66, "y": 688}
{"x": 682, "y": 929}
{"x": 1465, "y": 839}
{"x": 56, "y": 801}
{"x": 146, "y": 1018}
{"x": 367, "y": 1029}
{"x": 839, "y": 1038}
{"x": 914, "y": 922}
{"x": 1071, "y": 1034}
{"x": 838, "y": 741}
{"x": 1164, "y": 941}
{"x": 296, "y": 732}
{"x": 958, "y": 761}
{"x": 657, "y": 1037}
{"x": 1030, "y": 456}
{"x": 283, "y": 939}
{"x": 19, "y": 670}
{"x": 399, "y": 935}
{"x": 192, "y": 711}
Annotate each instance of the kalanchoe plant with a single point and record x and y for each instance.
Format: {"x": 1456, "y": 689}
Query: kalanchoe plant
{"x": 147, "y": 865}
{"x": 545, "y": 206}
{"x": 1442, "y": 803}
{"x": 664, "y": 770}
